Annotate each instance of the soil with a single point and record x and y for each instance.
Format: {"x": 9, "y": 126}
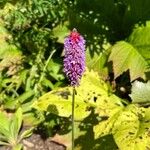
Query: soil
{"x": 35, "y": 142}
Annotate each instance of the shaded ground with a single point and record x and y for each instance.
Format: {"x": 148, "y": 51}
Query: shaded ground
{"x": 35, "y": 142}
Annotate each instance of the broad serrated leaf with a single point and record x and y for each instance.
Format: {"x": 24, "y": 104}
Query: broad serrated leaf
{"x": 129, "y": 126}
{"x": 140, "y": 38}
{"x": 108, "y": 110}
{"x": 61, "y": 106}
{"x": 91, "y": 93}
{"x": 130, "y": 131}
{"x": 125, "y": 56}
{"x": 140, "y": 92}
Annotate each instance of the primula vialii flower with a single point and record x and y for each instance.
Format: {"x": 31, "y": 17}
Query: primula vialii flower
{"x": 74, "y": 59}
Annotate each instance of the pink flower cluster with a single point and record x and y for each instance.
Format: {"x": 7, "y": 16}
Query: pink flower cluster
{"x": 74, "y": 59}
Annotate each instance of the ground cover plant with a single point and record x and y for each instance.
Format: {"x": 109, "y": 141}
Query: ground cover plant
{"x": 111, "y": 109}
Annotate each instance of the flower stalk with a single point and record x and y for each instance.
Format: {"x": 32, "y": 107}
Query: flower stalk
{"x": 73, "y": 103}
{"x": 74, "y": 65}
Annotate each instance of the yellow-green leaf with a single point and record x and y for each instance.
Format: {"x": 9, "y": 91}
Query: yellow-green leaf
{"x": 61, "y": 106}
{"x": 126, "y": 57}
{"x": 108, "y": 109}
{"x": 131, "y": 129}
{"x": 91, "y": 93}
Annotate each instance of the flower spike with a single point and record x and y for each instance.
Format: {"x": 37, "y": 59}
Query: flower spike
{"x": 74, "y": 59}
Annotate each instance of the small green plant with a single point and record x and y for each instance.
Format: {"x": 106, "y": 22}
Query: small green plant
{"x": 10, "y": 130}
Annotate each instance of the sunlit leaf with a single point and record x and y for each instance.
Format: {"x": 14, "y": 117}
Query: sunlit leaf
{"x": 131, "y": 129}
{"x": 6, "y": 49}
{"x": 61, "y": 31}
{"x": 17, "y": 147}
{"x": 26, "y": 133}
{"x": 97, "y": 62}
{"x": 108, "y": 110}
{"x": 140, "y": 92}
{"x": 125, "y": 56}
{"x": 62, "y": 107}
{"x": 92, "y": 92}
{"x": 25, "y": 96}
{"x": 140, "y": 38}
{"x": 4, "y": 125}
{"x": 15, "y": 124}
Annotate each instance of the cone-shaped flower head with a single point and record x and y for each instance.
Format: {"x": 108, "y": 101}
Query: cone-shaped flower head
{"x": 74, "y": 59}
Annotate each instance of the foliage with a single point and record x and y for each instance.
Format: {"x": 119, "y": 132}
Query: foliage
{"x": 107, "y": 21}
{"x": 10, "y": 130}
{"x": 129, "y": 125}
{"x": 27, "y": 70}
{"x": 133, "y": 125}
{"x": 92, "y": 93}
{"x": 126, "y": 55}
{"x": 87, "y": 95}
{"x": 140, "y": 92}
{"x": 112, "y": 106}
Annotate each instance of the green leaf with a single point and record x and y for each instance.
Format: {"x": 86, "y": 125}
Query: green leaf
{"x": 15, "y": 124}
{"x": 26, "y": 133}
{"x": 61, "y": 31}
{"x": 30, "y": 119}
{"x": 140, "y": 38}
{"x": 18, "y": 116}
{"x": 17, "y": 147}
{"x": 97, "y": 62}
{"x": 61, "y": 106}
{"x": 6, "y": 49}
{"x": 4, "y": 143}
{"x": 131, "y": 129}
{"x": 140, "y": 92}
{"x": 60, "y": 101}
{"x": 25, "y": 96}
{"x": 10, "y": 103}
{"x": 4, "y": 125}
{"x": 92, "y": 92}
{"x": 108, "y": 110}
{"x": 47, "y": 83}
{"x": 124, "y": 57}
{"x": 54, "y": 69}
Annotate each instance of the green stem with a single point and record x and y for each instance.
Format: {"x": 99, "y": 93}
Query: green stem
{"x": 73, "y": 103}
{"x": 46, "y": 64}
{"x": 43, "y": 72}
